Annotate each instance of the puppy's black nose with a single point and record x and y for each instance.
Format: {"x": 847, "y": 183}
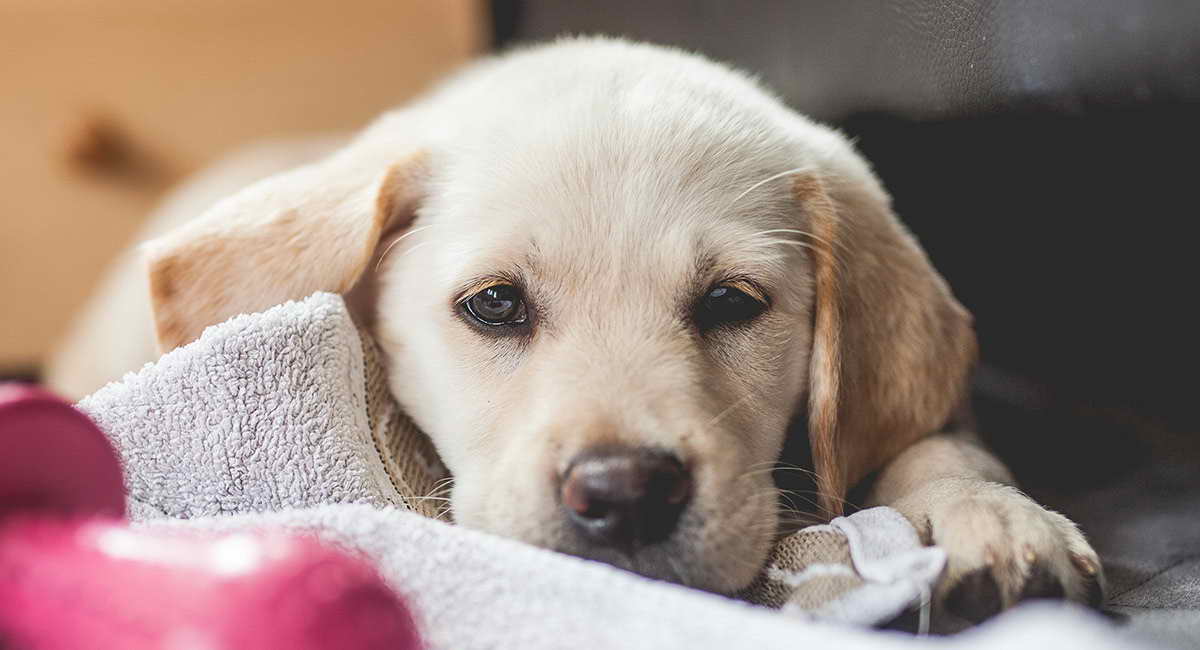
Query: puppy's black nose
{"x": 625, "y": 496}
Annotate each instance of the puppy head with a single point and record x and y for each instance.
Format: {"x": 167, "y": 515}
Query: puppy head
{"x": 606, "y": 323}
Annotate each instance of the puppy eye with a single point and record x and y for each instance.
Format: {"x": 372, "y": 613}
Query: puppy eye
{"x": 726, "y": 305}
{"x": 500, "y": 304}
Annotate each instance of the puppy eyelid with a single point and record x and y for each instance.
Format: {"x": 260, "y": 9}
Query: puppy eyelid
{"x": 748, "y": 287}
{"x": 479, "y": 284}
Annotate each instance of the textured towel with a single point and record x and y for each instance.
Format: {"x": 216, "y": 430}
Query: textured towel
{"x": 265, "y": 412}
{"x": 472, "y": 591}
{"x": 289, "y": 409}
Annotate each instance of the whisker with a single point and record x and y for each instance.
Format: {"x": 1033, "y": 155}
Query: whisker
{"x": 791, "y": 515}
{"x": 414, "y": 247}
{"x": 771, "y": 463}
{"x": 440, "y": 487}
{"x": 812, "y": 506}
{"x": 815, "y": 496}
{"x": 837, "y": 258}
{"x": 399, "y": 239}
{"x": 797, "y": 470}
{"x": 793, "y": 231}
{"x": 787, "y": 242}
{"x": 720, "y": 416}
{"x": 772, "y": 467}
{"x": 793, "y": 498}
{"x": 790, "y": 172}
{"x": 792, "y": 522}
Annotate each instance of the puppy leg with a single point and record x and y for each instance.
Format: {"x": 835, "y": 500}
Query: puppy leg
{"x": 1001, "y": 546}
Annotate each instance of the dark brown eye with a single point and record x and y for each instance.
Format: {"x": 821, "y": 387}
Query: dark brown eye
{"x": 501, "y": 304}
{"x": 727, "y": 305}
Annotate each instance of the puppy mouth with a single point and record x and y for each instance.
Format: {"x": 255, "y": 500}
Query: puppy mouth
{"x": 699, "y": 554}
{"x": 671, "y": 560}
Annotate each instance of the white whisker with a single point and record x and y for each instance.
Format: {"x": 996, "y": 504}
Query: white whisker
{"x": 790, "y": 172}
{"x": 793, "y": 231}
{"x": 787, "y": 242}
{"x": 399, "y": 239}
{"x": 414, "y": 247}
{"x": 720, "y": 416}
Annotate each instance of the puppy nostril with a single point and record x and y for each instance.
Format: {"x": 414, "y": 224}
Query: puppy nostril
{"x": 673, "y": 483}
{"x": 624, "y": 496}
{"x": 583, "y": 498}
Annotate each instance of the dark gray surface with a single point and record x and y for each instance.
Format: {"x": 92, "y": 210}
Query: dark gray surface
{"x": 917, "y": 58}
{"x": 1146, "y": 526}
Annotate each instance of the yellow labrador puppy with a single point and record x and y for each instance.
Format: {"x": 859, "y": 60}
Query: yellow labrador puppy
{"x": 608, "y": 278}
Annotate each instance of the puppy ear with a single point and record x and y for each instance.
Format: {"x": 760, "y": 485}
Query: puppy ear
{"x": 315, "y": 228}
{"x": 892, "y": 348}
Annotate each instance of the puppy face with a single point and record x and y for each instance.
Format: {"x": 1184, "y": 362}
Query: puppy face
{"x": 606, "y": 278}
{"x": 665, "y": 312}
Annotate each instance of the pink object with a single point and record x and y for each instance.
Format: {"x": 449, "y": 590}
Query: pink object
{"x": 99, "y": 584}
{"x": 53, "y": 459}
{"x": 73, "y": 575}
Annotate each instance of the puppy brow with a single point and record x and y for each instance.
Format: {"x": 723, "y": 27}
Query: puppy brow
{"x": 706, "y": 265}
{"x": 705, "y": 271}
{"x": 533, "y": 259}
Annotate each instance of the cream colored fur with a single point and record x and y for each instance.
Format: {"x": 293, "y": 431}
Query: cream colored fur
{"x": 617, "y": 182}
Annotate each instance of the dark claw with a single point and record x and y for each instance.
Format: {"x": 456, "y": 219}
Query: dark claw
{"x": 1093, "y": 591}
{"x": 1041, "y": 583}
{"x": 976, "y": 597}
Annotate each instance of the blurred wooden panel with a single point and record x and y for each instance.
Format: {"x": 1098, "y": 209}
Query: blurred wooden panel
{"x": 164, "y": 86}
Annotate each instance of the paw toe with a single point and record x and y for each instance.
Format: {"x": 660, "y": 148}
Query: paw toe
{"x": 1041, "y": 583}
{"x": 1093, "y": 580}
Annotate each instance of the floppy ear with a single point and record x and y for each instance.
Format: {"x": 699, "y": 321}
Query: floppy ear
{"x": 315, "y": 228}
{"x": 892, "y": 349}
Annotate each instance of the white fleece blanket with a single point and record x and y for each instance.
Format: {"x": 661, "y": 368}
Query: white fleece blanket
{"x": 281, "y": 419}
{"x": 474, "y": 591}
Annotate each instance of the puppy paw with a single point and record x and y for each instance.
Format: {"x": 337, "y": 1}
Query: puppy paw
{"x": 1002, "y": 548}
